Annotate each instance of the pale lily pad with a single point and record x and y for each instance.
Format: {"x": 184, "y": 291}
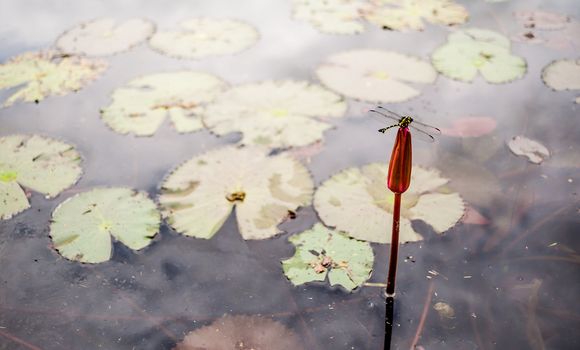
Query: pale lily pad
{"x": 411, "y": 14}
{"x": 321, "y": 252}
{"x": 142, "y": 105}
{"x": 199, "y": 195}
{"x": 105, "y": 36}
{"x": 472, "y": 51}
{"x": 358, "y": 202}
{"x": 533, "y": 150}
{"x": 376, "y": 75}
{"x": 332, "y": 16}
{"x": 563, "y": 75}
{"x": 202, "y": 37}
{"x": 42, "y": 164}
{"x": 37, "y": 75}
{"x": 82, "y": 226}
{"x": 276, "y": 114}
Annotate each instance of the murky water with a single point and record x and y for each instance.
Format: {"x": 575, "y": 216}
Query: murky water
{"x": 509, "y": 286}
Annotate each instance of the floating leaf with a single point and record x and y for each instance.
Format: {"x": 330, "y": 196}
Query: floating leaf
{"x": 470, "y": 127}
{"x": 375, "y": 75}
{"x": 541, "y": 20}
{"x": 275, "y": 114}
{"x": 201, "y": 37}
{"x": 37, "y": 75}
{"x": 42, "y": 164}
{"x": 563, "y": 75}
{"x": 552, "y": 30}
{"x": 142, "y": 106}
{"x": 410, "y": 14}
{"x": 104, "y": 36}
{"x": 358, "y": 202}
{"x": 199, "y": 195}
{"x": 241, "y": 332}
{"x": 321, "y": 251}
{"x": 332, "y": 16}
{"x": 82, "y": 226}
{"x": 533, "y": 150}
{"x": 444, "y": 310}
{"x": 470, "y": 51}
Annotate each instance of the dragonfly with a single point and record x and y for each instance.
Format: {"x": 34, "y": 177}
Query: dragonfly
{"x": 424, "y": 132}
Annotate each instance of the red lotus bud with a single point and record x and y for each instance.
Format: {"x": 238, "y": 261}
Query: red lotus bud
{"x": 399, "y": 177}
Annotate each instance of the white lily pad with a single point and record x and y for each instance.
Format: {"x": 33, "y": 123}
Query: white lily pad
{"x": 411, "y": 14}
{"x": 144, "y": 103}
{"x": 321, "y": 252}
{"x": 202, "y": 37}
{"x": 472, "y": 51}
{"x": 199, "y": 195}
{"x": 105, "y": 36}
{"x": 376, "y": 75}
{"x": 82, "y": 226}
{"x": 358, "y": 202}
{"x": 37, "y": 75}
{"x": 332, "y": 16}
{"x": 563, "y": 75}
{"x": 276, "y": 114}
{"x": 533, "y": 150}
{"x": 42, "y": 164}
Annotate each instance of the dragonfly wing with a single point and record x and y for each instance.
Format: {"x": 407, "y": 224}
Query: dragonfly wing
{"x": 425, "y": 128}
{"x": 384, "y": 116}
{"x": 420, "y": 134}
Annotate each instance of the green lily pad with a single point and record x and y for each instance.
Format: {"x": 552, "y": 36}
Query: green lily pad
{"x": 199, "y": 195}
{"x": 37, "y": 75}
{"x": 82, "y": 226}
{"x": 376, "y": 75}
{"x": 411, "y": 14}
{"x": 321, "y": 252}
{"x": 142, "y": 105}
{"x": 276, "y": 114}
{"x": 472, "y": 51}
{"x": 358, "y": 202}
{"x": 332, "y": 16}
{"x": 42, "y": 164}
{"x": 202, "y": 37}
{"x": 563, "y": 75}
{"x": 104, "y": 36}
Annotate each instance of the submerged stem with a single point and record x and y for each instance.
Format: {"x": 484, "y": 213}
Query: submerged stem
{"x": 394, "y": 246}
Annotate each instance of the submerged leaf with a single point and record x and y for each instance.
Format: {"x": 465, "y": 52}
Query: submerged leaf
{"x": 470, "y": 127}
{"x": 104, "y": 36}
{"x": 533, "y": 150}
{"x": 82, "y": 226}
{"x": 42, "y": 164}
{"x": 410, "y": 14}
{"x": 541, "y": 20}
{"x": 563, "y": 75}
{"x": 142, "y": 106}
{"x": 276, "y": 114}
{"x": 321, "y": 251}
{"x": 241, "y": 333}
{"x": 472, "y": 51}
{"x": 199, "y": 195}
{"x": 375, "y": 75}
{"x": 358, "y": 202}
{"x": 332, "y": 16}
{"x": 201, "y": 37}
{"x": 37, "y": 75}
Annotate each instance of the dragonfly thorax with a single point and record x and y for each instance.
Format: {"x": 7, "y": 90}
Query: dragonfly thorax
{"x": 405, "y": 121}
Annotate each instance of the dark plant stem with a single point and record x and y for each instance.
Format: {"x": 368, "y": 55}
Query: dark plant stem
{"x": 389, "y": 319}
{"x": 394, "y": 246}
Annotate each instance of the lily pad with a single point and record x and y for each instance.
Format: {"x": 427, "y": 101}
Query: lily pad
{"x": 142, "y": 105}
{"x": 321, "y": 252}
{"x": 358, "y": 202}
{"x": 105, "y": 36}
{"x": 332, "y": 16}
{"x": 376, "y": 75}
{"x": 82, "y": 226}
{"x": 202, "y": 37}
{"x": 472, "y": 51}
{"x": 411, "y": 14}
{"x": 563, "y": 75}
{"x": 37, "y": 75}
{"x": 533, "y": 150}
{"x": 276, "y": 114}
{"x": 199, "y": 195}
{"x": 42, "y": 164}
